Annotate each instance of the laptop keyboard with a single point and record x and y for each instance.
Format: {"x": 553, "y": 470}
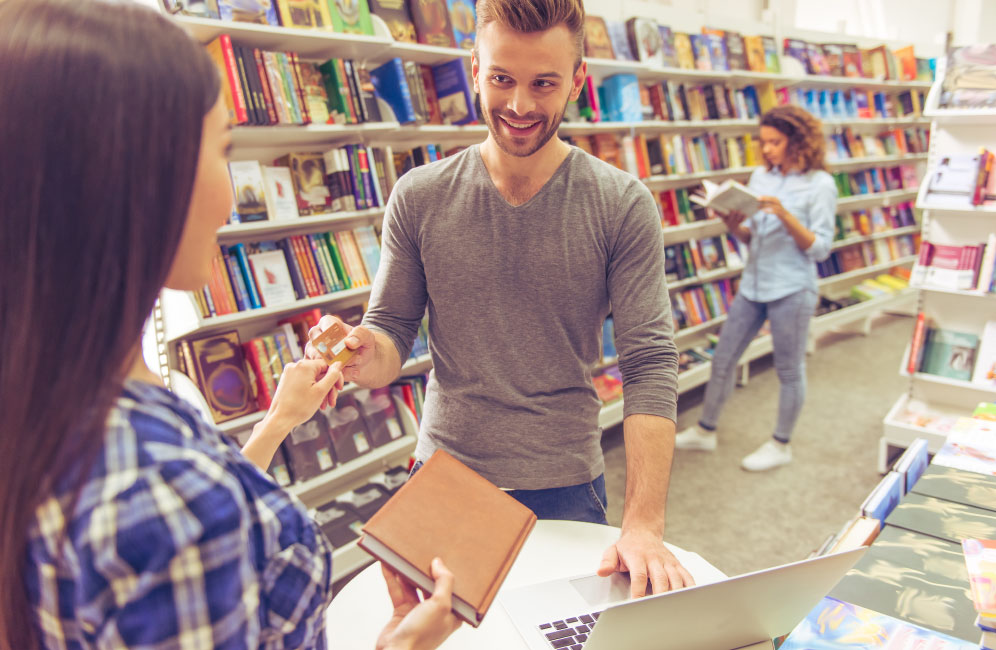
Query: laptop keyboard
{"x": 570, "y": 633}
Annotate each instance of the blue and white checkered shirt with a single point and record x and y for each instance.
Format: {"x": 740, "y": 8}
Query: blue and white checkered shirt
{"x": 177, "y": 541}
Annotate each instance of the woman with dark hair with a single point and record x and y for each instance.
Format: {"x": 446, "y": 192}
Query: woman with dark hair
{"x": 126, "y": 520}
{"x": 791, "y": 231}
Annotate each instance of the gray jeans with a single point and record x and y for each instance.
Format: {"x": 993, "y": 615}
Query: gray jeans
{"x": 789, "y": 318}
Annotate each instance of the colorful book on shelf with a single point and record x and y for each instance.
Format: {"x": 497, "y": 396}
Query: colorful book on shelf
{"x": 454, "y": 93}
{"x": 980, "y": 560}
{"x": 597, "y": 43}
{"x": 220, "y": 371}
{"x": 248, "y": 187}
{"x": 447, "y": 510}
{"x": 620, "y": 40}
{"x": 948, "y": 353}
{"x": 432, "y": 23}
{"x": 463, "y": 17}
{"x": 984, "y": 373}
{"x": 644, "y": 39}
{"x": 391, "y": 85}
{"x": 221, "y": 52}
{"x": 398, "y": 18}
{"x": 683, "y": 51}
{"x": 351, "y": 16}
{"x": 278, "y": 188}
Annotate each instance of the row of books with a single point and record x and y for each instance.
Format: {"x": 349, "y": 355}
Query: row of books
{"x": 867, "y": 253}
{"x": 862, "y": 223}
{"x": 304, "y": 184}
{"x": 692, "y": 258}
{"x": 703, "y": 303}
{"x": 444, "y": 23}
{"x": 963, "y": 180}
{"x": 267, "y": 274}
{"x": 876, "y": 179}
{"x": 844, "y": 60}
{"x": 850, "y": 104}
{"x": 651, "y": 155}
{"x": 885, "y": 284}
{"x": 969, "y": 267}
{"x": 263, "y": 88}
{"x": 844, "y": 143}
{"x": 945, "y": 352}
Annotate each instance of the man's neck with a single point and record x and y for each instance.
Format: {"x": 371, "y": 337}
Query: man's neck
{"x": 538, "y": 166}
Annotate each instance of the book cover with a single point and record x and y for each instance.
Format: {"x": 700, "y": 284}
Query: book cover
{"x": 683, "y": 51}
{"x": 715, "y": 45}
{"x": 754, "y": 51}
{"x": 958, "y": 485}
{"x": 248, "y": 188}
{"x": 620, "y": 40}
{"x": 597, "y": 43}
{"x": 851, "y": 60}
{"x": 453, "y": 90}
{"x": 644, "y": 39}
{"x": 884, "y": 498}
{"x": 474, "y": 527}
{"x": 771, "y": 59}
{"x": 797, "y": 49}
{"x": 391, "y": 85}
{"x": 279, "y": 192}
{"x": 970, "y": 446}
{"x": 700, "y": 50}
{"x": 942, "y": 519}
{"x": 316, "y": 98}
{"x": 379, "y": 415}
{"x": 463, "y": 17}
{"x": 838, "y": 624}
{"x": 949, "y": 354}
{"x": 914, "y": 577}
{"x": 309, "y": 448}
{"x": 985, "y": 363}
{"x": 398, "y": 18}
{"x": 669, "y": 56}
{"x": 220, "y": 372}
{"x": 308, "y": 175}
{"x": 351, "y": 16}
{"x": 272, "y": 277}
{"x": 309, "y": 14}
{"x": 432, "y": 22}
{"x": 980, "y": 560}
{"x": 736, "y": 52}
{"x": 347, "y": 429}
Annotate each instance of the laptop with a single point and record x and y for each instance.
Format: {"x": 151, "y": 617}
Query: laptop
{"x": 595, "y": 613}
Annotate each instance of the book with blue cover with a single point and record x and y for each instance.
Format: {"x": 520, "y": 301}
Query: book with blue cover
{"x": 391, "y": 85}
{"x": 836, "y": 624}
{"x": 456, "y": 101}
{"x": 622, "y": 98}
{"x": 463, "y": 17}
{"x": 884, "y": 498}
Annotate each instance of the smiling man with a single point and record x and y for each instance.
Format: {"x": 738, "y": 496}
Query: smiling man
{"x": 518, "y": 247}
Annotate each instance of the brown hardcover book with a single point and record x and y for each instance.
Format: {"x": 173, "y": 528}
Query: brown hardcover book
{"x": 597, "y": 44}
{"x": 448, "y": 510}
{"x": 399, "y": 21}
{"x": 220, "y": 371}
{"x": 432, "y": 22}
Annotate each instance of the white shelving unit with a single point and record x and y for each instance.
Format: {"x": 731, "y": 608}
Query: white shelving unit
{"x": 952, "y": 132}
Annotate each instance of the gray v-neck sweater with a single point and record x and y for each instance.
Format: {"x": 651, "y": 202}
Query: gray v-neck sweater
{"x": 516, "y": 296}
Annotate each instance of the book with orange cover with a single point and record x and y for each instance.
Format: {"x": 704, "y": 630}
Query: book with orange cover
{"x": 448, "y": 510}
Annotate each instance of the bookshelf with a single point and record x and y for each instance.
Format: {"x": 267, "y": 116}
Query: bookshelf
{"x": 953, "y": 132}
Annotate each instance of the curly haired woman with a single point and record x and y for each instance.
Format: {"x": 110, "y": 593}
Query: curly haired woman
{"x": 786, "y": 237}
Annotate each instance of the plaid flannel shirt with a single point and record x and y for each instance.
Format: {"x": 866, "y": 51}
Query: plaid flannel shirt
{"x": 177, "y": 541}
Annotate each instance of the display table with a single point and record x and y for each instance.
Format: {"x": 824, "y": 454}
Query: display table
{"x": 554, "y": 549}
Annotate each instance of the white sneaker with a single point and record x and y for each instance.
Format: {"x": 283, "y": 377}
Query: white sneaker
{"x": 695, "y": 438}
{"x": 769, "y": 455}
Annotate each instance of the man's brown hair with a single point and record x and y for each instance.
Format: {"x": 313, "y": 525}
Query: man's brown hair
{"x": 529, "y": 16}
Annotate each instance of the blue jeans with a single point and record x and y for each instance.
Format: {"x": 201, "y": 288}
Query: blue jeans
{"x": 789, "y": 318}
{"x": 582, "y": 502}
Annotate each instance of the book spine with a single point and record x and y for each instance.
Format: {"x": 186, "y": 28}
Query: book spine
{"x": 292, "y": 266}
{"x": 239, "y": 250}
{"x": 323, "y": 263}
{"x": 375, "y": 177}
{"x": 242, "y": 301}
{"x": 264, "y": 82}
{"x": 310, "y": 284}
{"x": 238, "y": 54}
{"x": 368, "y": 186}
{"x": 355, "y": 117}
{"x": 337, "y": 261}
{"x": 299, "y": 84}
{"x": 355, "y": 178}
{"x": 239, "y": 99}
{"x": 916, "y": 344}
{"x": 287, "y": 78}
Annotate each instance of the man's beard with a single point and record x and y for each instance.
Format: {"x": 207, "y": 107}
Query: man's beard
{"x": 507, "y": 142}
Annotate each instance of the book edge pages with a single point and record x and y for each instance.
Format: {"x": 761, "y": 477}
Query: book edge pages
{"x": 376, "y": 548}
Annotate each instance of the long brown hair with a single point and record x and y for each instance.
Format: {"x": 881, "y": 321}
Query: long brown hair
{"x": 102, "y": 107}
{"x": 806, "y": 144}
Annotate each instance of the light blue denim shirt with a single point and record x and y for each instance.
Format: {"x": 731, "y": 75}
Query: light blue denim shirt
{"x": 776, "y": 266}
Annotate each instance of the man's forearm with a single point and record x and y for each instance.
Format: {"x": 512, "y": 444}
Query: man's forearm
{"x": 385, "y": 366}
{"x": 649, "y": 452}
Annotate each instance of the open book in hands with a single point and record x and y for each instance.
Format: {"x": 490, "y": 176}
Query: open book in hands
{"x": 728, "y": 196}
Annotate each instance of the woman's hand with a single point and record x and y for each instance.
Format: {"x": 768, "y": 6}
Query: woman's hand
{"x": 419, "y": 625}
{"x": 732, "y": 219}
{"x": 773, "y": 205}
{"x": 304, "y": 386}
